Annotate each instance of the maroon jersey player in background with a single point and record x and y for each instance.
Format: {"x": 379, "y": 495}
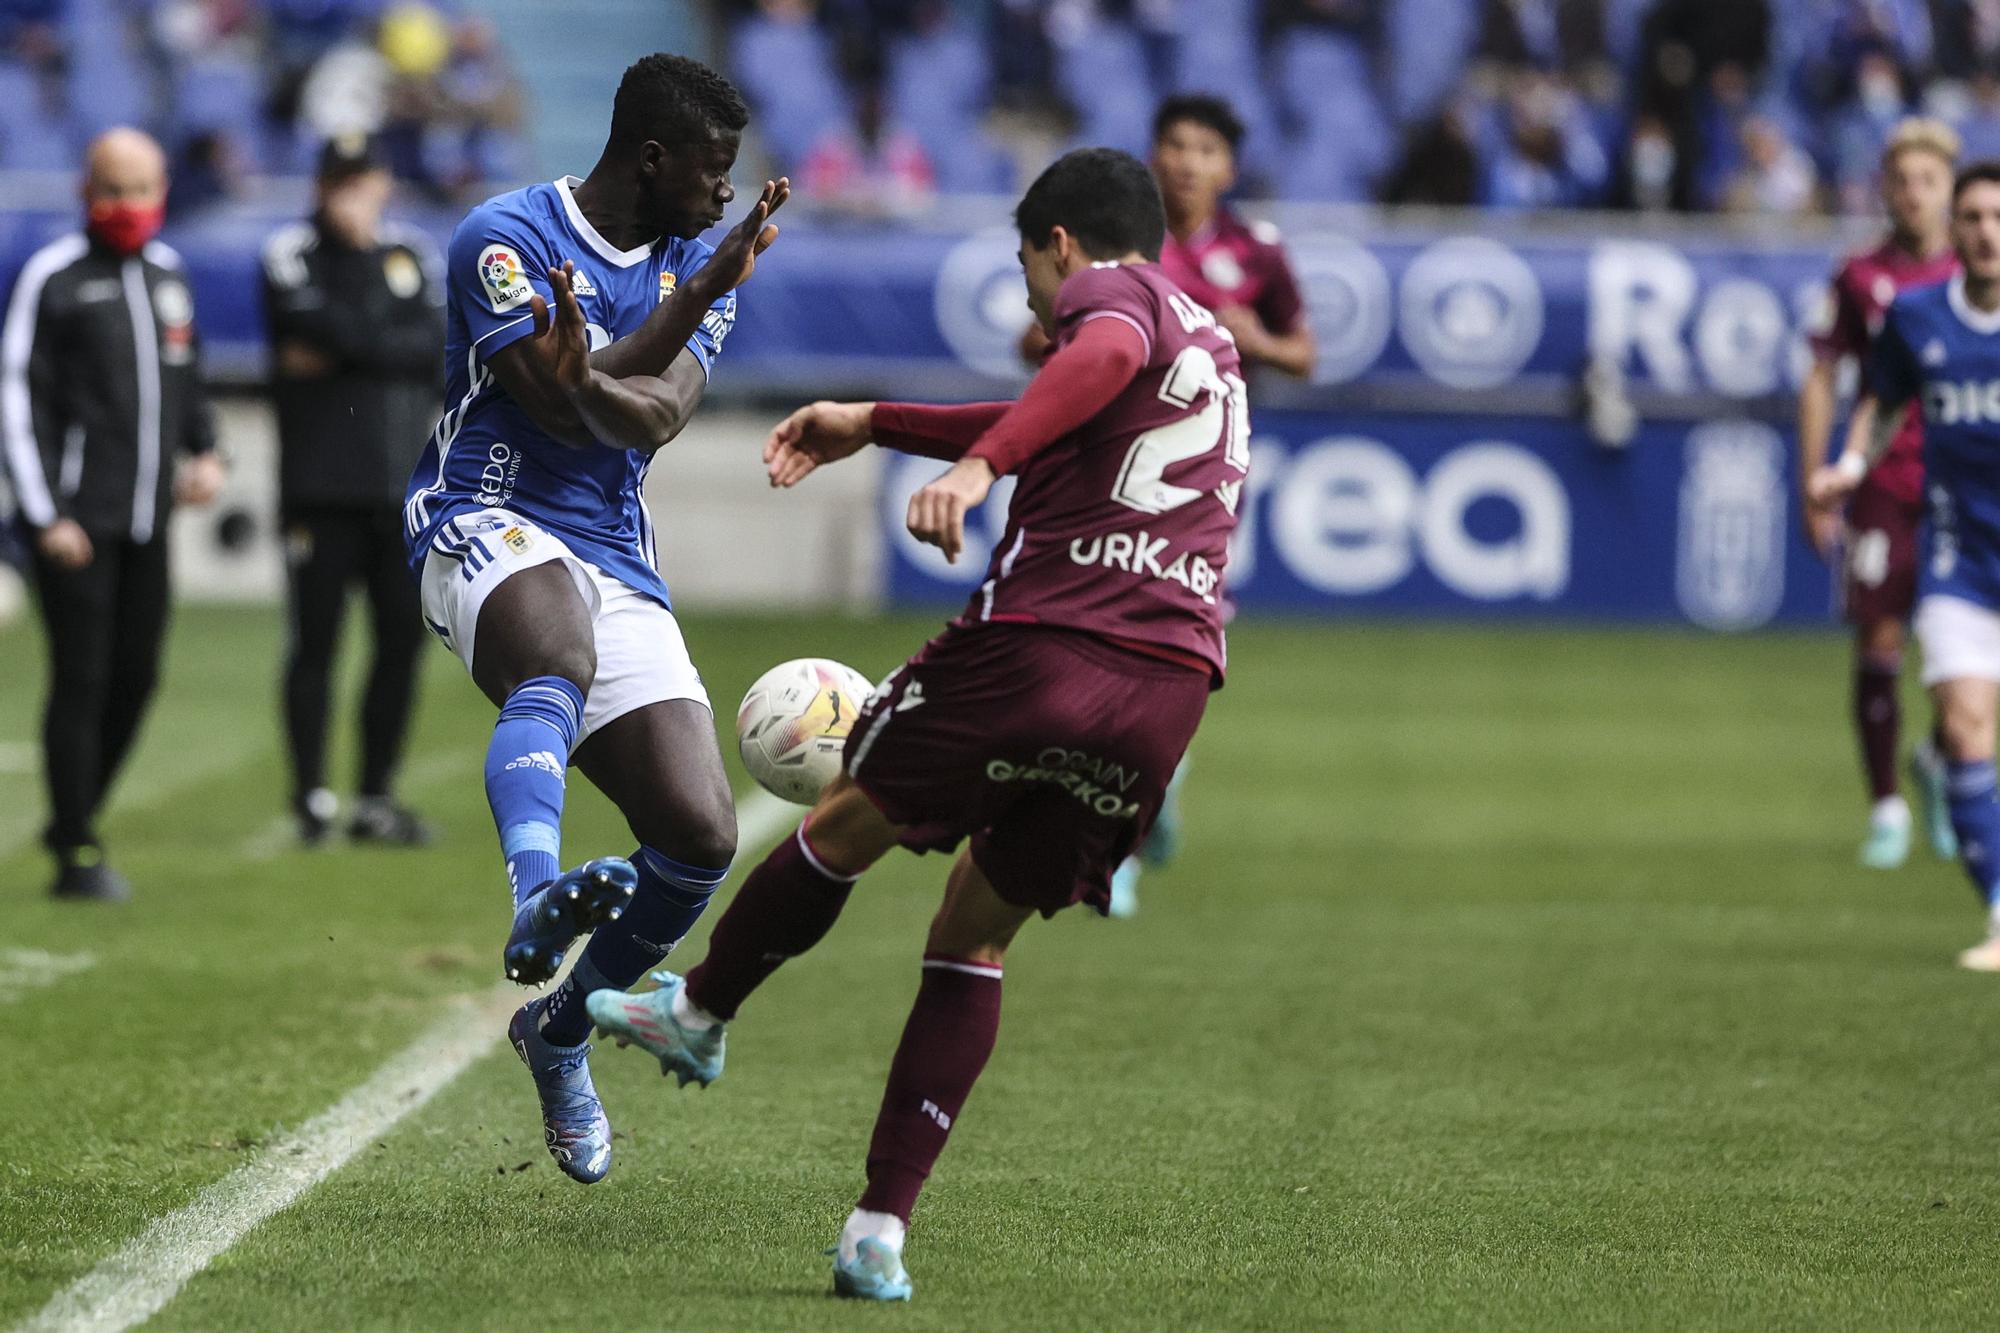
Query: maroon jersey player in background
{"x": 1879, "y": 546}
{"x": 1237, "y": 269}
{"x": 1043, "y": 724}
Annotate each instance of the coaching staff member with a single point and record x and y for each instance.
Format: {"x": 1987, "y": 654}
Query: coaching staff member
{"x": 100, "y": 393}
{"x": 356, "y": 319}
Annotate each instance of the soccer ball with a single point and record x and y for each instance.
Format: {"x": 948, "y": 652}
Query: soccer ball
{"x": 793, "y": 724}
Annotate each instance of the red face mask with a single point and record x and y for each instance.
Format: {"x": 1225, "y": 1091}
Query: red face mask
{"x": 125, "y": 228}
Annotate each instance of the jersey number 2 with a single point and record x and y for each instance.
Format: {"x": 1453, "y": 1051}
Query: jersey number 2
{"x": 1225, "y": 420}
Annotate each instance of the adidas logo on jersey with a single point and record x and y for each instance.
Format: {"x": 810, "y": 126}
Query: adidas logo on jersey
{"x": 541, "y": 759}
{"x": 579, "y": 283}
{"x": 1934, "y": 353}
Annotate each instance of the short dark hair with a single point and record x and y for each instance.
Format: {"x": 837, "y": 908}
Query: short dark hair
{"x": 1203, "y": 109}
{"x": 671, "y": 98}
{"x": 1104, "y": 198}
{"x": 1976, "y": 173}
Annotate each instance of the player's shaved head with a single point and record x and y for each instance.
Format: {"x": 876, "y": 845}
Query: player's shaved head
{"x": 124, "y": 164}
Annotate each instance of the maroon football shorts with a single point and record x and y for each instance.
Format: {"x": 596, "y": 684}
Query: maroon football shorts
{"x": 1879, "y": 573}
{"x": 1050, "y": 749}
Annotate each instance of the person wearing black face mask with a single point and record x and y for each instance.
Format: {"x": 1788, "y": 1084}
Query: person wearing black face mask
{"x": 100, "y": 393}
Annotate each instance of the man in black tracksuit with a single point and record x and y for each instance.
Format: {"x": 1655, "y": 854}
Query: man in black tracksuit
{"x": 356, "y": 319}
{"x": 100, "y": 392}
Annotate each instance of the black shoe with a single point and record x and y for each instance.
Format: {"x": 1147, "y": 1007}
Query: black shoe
{"x": 85, "y": 877}
{"x": 315, "y": 810}
{"x": 380, "y": 819}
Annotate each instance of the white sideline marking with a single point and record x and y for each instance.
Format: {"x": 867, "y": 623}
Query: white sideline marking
{"x": 23, "y": 970}
{"x": 17, "y": 758}
{"x": 136, "y": 1283}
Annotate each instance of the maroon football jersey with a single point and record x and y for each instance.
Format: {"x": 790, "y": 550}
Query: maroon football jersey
{"x": 1231, "y": 262}
{"x": 1862, "y": 291}
{"x": 1121, "y": 528}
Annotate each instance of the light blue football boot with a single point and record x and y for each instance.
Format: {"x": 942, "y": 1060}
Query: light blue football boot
{"x": 573, "y": 1121}
{"x": 1163, "y": 840}
{"x": 874, "y": 1274}
{"x": 1887, "y": 845}
{"x": 1933, "y": 801}
{"x": 1125, "y": 889}
{"x": 573, "y": 902}
{"x": 647, "y": 1021}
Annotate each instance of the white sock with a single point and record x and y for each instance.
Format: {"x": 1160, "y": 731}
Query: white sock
{"x": 862, "y": 1224}
{"x": 691, "y": 1015}
{"x": 1993, "y": 922}
{"x": 1891, "y": 812}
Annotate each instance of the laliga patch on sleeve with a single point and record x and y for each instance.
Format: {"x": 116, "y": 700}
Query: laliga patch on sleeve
{"x": 505, "y": 281}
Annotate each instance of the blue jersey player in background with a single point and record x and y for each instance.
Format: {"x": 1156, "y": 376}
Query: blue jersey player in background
{"x": 583, "y": 318}
{"x": 1939, "y": 350}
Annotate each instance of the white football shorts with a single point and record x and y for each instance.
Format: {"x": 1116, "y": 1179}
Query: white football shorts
{"x": 1961, "y": 639}
{"x": 641, "y": 656}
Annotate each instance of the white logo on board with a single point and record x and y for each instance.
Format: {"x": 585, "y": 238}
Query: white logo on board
{"x": 1730, "y": 564}
{"x": 1471, "y": 312}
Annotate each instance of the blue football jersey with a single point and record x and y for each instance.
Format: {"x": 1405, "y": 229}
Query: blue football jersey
{"x": 1937, "y": 350}
{"x": 486, "y": 451}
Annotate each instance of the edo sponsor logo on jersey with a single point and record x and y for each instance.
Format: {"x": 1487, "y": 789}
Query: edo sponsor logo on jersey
{"x": 502, "y": 275}
{"x": 1968, "y": 402}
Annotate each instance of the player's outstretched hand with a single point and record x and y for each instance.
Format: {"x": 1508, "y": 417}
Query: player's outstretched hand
{"x": 568, "y": 340}
{"x": 937, "y": 512}
{"x": 821, "y": 432}
{"x": 736, "y": 258}
{"x": 1829, "y": 486}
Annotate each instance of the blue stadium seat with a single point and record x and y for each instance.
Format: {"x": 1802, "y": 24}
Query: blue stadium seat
{"x": 787, "y": 70}
{"x": 222, "y": 94}
{"x": 1217, "y": 53}
{"x": 1101, "y": 70}
{"x": 938, "y": 84}
{"x": 30, "y": 138}
{"x": 1344, "y": 139}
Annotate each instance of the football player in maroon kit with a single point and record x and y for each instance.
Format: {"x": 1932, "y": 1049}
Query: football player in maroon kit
{"x": 1879, "y": 548}
{"x": 1044, "y": 723}
{"x": 1237, "y": 269}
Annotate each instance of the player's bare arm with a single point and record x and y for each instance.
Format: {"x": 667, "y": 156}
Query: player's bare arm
{"x": 1291, "y": 353}
{"x": 822, "y": 432}
{"x": 1869, "y": 435}
{"x": 642, "y": 412}
{"x": 1816, "y": 408}
{"x": 528, "y": 369}
{"x": 661, "y": 342}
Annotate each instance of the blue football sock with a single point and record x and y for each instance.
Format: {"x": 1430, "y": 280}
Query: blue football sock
{"x": 526, "y": 765}
{"x": 670, "y": 900}
{"x": 1975, "y": 817}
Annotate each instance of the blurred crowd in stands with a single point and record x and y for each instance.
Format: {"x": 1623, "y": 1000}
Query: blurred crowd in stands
{"x": 1775, "y": 107}
{"x": 239, "y": 87}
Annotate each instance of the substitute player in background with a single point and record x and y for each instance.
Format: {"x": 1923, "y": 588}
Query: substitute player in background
{"x": 1939, "y": 351}
{"x": 1879, "y": 561}
{"x": 1043, "y": 724}
{"x": 1240, "y": 271}
{"x": 526, "y": 521}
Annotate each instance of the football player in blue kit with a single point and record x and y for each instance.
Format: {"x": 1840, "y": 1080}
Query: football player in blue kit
{"x": 1939, "y": 354}
{"x": 583, "y": 318}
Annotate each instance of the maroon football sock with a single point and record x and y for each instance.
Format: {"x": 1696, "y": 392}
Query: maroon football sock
{"x": 951, "y": 1031}
{"x": 1878, "y": 718}
{"x": 784, "y": 908}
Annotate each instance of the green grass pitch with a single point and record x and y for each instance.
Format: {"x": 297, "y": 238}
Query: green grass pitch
{"x": 1510, "y": 979}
